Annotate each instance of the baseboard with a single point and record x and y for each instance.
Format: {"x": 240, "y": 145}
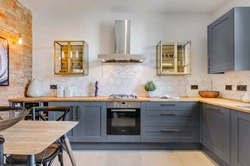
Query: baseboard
{"x": 136, "y": 146}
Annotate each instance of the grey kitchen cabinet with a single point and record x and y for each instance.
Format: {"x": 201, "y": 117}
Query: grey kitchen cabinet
{"x": 91, "y": 117}
{"x": 92, "y": 122}
{"x": 170, "y": 122}
{"x": 216, "y": 130}
{"x": 228, "y": 41}
{"x": 71, "y": 116}
{"x": 240, "y": 138}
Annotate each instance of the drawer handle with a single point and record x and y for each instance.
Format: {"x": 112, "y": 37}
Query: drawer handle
{"x": 166, "y": 114}
{"x": 169, "y": 130}
{"x": 167, "y": 104}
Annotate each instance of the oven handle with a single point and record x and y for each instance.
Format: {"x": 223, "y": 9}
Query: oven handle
{"x": 123, "y": 110}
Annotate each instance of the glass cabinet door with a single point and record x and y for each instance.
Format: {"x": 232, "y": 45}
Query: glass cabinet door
{"x": 173, "y": 58}
{"x": 71, "y": 57}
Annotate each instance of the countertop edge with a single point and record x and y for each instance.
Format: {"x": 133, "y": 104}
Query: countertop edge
{"x": 227, "y": 103}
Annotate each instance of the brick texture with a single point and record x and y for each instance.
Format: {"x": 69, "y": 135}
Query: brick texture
{"x": 18, "y": 19}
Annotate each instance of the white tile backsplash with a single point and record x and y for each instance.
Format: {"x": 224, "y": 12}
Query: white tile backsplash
{"x": 125, "y": 78}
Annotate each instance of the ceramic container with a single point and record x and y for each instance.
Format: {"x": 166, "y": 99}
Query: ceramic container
{"x": 35, "y": 89}
{"x": 68, "y": 92}
{"x": 60, "y": 92}
{"x": 151, "y": 94}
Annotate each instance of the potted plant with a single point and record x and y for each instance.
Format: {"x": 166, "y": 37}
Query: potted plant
{"x": 150, "y": 87}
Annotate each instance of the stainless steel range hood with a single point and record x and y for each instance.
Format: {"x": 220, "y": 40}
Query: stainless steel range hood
{"x": 122, "y": 46}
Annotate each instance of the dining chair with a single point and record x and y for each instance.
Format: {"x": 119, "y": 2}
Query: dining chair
{"x": 47, "y": 156}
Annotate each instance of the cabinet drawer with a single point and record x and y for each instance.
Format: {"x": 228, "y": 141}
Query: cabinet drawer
{"x": 170, "y": 106}
{"x": 171, "y": 118}
{"x": 170, "y": 134}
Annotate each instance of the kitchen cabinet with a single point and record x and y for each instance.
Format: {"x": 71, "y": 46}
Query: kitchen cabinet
{"x": 92, "y": 122}
{"x": 91, "y": 117}
{"x": 215, "y": 130}
{"x": 173, "y": 58}
{"x": 170, "y": 122}
{"x": 228, "y": 41}
{"x": 240, "y": 138}
{"x": 71, "y": 57}
{"x": 71, "y": 116}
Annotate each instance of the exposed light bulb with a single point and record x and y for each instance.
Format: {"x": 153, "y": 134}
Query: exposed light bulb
{"x": 20, "y": 41}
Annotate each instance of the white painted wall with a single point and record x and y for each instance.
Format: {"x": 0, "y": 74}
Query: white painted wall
{"x": 97, "y": 29}
{"x": 235, "y": 77}
{"x": 229, "y": 5}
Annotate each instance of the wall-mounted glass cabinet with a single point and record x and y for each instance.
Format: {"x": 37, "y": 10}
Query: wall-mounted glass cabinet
{"x": 173, "y": 58}
{"x": 71, "y": 57}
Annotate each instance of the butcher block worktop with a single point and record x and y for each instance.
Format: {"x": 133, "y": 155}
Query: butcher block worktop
{"x": 227, "y": 103}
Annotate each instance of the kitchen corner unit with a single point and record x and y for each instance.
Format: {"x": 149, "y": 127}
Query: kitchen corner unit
{"x": 71, "y": 57}
{"x": 173, "y": 58}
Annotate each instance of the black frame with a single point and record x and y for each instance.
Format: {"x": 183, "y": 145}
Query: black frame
{"x": 128, "y": 130}
{"x": 4, "y": 62}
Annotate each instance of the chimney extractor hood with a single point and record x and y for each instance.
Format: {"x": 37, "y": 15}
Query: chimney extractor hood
{"x": 122, "y": 46}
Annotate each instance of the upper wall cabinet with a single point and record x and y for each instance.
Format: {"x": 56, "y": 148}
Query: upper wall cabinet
{"x": 71, "y": 57}
{"x": 173, "y": 58}
{"x": 229, "y": 41}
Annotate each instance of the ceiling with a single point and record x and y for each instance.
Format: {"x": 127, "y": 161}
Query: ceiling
{"x": 122, "y": 5}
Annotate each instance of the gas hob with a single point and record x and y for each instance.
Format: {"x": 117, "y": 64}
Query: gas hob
{"x": 122, "y": 96}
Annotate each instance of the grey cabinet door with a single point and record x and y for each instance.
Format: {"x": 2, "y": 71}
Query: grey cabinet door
{"x": 72, "y": 134}
{"x": 221, "y": 44}
{"x": 240, "y": 139}
{"x": 215, "y": 130}
{"x": 92, "y": 118}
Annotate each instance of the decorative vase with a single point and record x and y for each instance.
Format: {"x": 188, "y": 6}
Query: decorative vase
{"x": 150, "y": 94}
{"x": 35, "y": 89}
{"x": 246, "y": 97}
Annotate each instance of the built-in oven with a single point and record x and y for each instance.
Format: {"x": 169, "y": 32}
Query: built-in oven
{"x": 123, "y": 118}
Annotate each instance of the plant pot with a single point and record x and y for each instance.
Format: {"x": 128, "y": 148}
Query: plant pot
{"x": 151, "y": 94}
{"x": 35, "y": 89}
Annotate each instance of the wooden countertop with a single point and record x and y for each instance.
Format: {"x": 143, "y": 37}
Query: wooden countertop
{"x": 227, "y": 103}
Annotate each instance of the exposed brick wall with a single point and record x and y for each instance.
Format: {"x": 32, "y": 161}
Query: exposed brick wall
{"x": 15, "y": 17}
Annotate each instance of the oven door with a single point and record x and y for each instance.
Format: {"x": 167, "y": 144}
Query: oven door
{"x": 123, "y": 121}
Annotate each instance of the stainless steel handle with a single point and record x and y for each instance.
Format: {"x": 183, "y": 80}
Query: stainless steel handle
{"x": 123, "y": 110}
{"x": 167, "y": 114}
{"x": 169, "y": 130}
{"x": 167, "y": 104}
{"x": 216, "y": 109}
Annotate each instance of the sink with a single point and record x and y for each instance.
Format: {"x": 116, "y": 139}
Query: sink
{"x": 244, "y": 106}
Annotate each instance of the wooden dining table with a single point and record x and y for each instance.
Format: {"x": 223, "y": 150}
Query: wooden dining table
{"x": 32, "y": 137}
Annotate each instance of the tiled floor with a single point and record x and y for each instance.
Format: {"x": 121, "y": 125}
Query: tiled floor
{"x": 139, "y": 158}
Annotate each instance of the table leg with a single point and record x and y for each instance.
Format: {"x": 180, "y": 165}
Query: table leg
{"x": 31, "y": 160}
{"x": 68, "y": 147}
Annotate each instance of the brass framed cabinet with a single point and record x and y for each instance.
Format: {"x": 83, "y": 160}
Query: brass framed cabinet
{"x": 173, "y": 58}
{"x": 71, "y": 57}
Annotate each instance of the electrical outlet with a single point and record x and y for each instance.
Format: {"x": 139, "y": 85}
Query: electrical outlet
{"x": 228, "y": 87}
{"x": 53, "y": 86}
{"x": 194, "y": 86}
{"x": 241, "y": 87}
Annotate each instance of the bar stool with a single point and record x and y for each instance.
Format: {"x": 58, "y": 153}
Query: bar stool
{"x": 56, "y": 149}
